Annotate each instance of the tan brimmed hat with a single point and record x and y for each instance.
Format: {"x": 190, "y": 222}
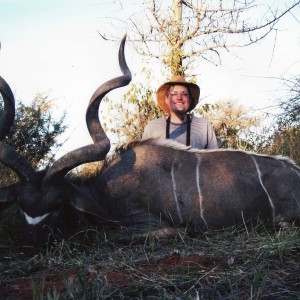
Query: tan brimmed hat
{"x": 177, "y": 80}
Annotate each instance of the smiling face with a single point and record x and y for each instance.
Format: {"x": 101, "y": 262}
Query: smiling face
{"x": 178, "y": 100}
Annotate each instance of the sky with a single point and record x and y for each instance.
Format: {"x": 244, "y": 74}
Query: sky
{"x": 53, "y": 47}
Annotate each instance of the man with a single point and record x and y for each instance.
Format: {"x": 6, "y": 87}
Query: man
{"x": 177, "y": 98}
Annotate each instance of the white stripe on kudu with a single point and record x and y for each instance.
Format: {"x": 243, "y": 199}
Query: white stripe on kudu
{"x": 199, "y": 191}
{"x": 175, "y": 192}
{"x": 259, "y": 177}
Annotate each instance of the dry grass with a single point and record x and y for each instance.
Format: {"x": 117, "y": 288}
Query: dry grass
{"x": 237, "y": 263}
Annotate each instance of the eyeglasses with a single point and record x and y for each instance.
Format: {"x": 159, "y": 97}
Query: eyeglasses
{"x": 176, "y": 93}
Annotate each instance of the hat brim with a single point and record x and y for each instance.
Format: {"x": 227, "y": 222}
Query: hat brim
{"x": 162, "y": 90}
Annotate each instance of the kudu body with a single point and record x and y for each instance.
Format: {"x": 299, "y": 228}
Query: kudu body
{"x": 151, "y": 185}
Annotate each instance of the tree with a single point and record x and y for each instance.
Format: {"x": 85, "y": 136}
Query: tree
{"x": 126, "y": 120}
{"x": 290, "y": 106}
{"x": 34, "y": 133}
{"x": 233, "y": 123}
{"x": 285, "y": 139}
{"x": 179, "y": 32}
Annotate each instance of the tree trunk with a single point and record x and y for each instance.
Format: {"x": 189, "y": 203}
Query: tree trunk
{"x": 176, "y": 53}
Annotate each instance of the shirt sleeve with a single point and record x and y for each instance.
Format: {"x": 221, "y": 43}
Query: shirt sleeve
{"x": 211, "y": 137}
{"x": 146, "y": 133}
{"x": 155, "y": 129}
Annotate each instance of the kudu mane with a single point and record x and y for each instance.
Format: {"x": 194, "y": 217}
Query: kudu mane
{"x": 178, "y": 146}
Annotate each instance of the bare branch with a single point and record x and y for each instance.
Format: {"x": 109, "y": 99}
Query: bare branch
{"x": 204, "y": 26}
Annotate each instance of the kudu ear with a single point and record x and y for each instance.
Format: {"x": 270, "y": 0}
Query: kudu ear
{"x": 101, "y": 146}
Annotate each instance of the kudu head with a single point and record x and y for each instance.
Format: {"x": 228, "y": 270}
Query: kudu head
{"x": 48, "y": 200}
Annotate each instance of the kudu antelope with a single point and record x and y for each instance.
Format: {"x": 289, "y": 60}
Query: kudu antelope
{"x": 150, "y": 186}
